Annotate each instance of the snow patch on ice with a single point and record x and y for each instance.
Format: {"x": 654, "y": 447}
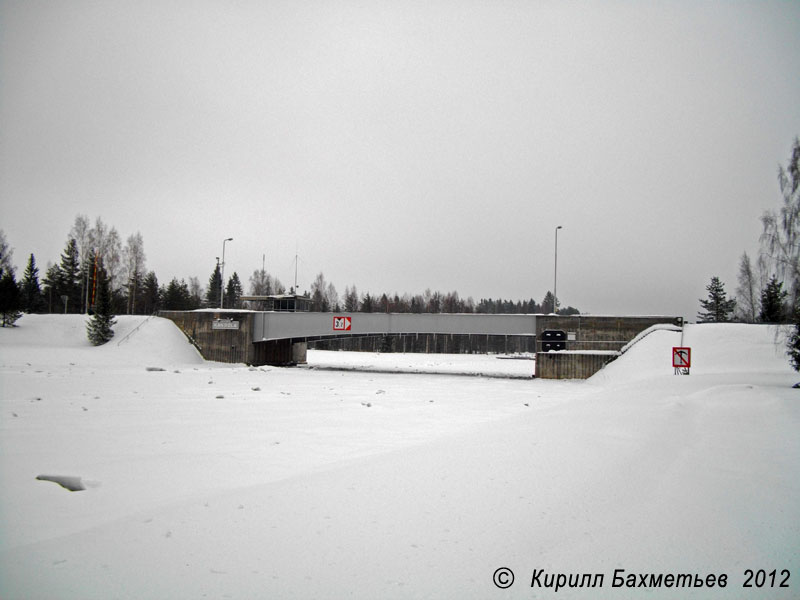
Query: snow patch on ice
{"x": 68, "y": 482}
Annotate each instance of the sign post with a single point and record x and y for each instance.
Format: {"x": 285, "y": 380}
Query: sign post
{"x": 681, "y": 359}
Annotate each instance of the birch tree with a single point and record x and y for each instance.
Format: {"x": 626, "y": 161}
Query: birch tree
{"x": 780, "y": 240}
{"x": 134, "y": 259}
{"x": 747, "y": 294}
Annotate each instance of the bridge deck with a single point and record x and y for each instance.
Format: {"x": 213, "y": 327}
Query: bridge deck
{"x": 274, "y": 326}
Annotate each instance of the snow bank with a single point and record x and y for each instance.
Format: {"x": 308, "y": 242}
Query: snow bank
{"x": 737, "y": 347}
{"x": 717, "y": 348}
{"x": 60, "y": 340}
{"x": 152, "y": 341}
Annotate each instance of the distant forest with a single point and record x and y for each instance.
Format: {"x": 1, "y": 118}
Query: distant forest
{"x": 68, "y": 285}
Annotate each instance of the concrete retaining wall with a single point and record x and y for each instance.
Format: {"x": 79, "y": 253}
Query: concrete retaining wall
{"x": 591, "y": 334}
{"x": 232, "y": 344}
{"x": 598, "y": 332}
{"x": 571, "y": 365}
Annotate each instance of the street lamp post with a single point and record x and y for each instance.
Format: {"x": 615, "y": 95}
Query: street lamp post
{"x": 222, "y": 273}
{"x": 555, "y": 275}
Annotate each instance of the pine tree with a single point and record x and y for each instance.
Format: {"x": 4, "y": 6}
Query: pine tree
{"x": 51, "y": 291}
{"x": 547, "y": 303}
{"x": 383, "y": 304}
{"x": 318, "y": 300}
{"x": 99, "y": 329}
{"x": 793, "y": 344}
{"x": 170, "y": 295}
{"x": 10, "y": 298}
{"x": 150, "y": 297}
{"x": 434, "y": 302}
{"x": 367, "y": 303}
{"x": 214, "y": 289}
{"x": 773, "y": 297}
{"x": 718, "y": 308}
{"x": 134, "y": 302}
{"x": 69, "y": 277}
{"x": 233, "y": 291}
{"x": 177, "y": 295}
{"x": 351, "y": 299}
{"x": 32, "y": 298}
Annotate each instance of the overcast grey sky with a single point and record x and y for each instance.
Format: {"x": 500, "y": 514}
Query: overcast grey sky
{"x": 404, "y": 145}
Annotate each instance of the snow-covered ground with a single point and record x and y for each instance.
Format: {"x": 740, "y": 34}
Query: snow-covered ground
{"x": 206, "y": 480}
{"x": 502, "y": 365}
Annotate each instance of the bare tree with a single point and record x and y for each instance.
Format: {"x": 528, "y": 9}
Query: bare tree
{"x": 264, "y": 284}
{"x": 134, "y": 267}
{"x": 260, "y": 284}
{"x": 195, "y": 292}
{"x": 106, "y": 242}
{"x": 81, "y": 233}
{"x": 319, "y": 300}
{"x": 6, "y": 255}
{"x": 780, "y": 240}
{"x": 113, "y": 258}
{"x": 747, "y": 294}
{"x": 332, "y": 297}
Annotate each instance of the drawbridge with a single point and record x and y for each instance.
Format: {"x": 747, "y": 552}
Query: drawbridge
{"x": 566, "y": 346}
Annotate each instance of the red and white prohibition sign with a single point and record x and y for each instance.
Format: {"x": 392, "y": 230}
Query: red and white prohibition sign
{"x": 342, "y": 323}
{"x": 681, "y": 357}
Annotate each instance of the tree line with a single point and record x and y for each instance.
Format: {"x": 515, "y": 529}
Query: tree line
{"x": 95, "y": 257}
{"x": 768, "y": 289}
{"x": 324, "y": 298}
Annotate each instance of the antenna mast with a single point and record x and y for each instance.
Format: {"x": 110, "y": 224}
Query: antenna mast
{"x": 295, "y": 270}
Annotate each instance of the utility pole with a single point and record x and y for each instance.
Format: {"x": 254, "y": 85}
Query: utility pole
{"x": 222, "y": 273}
{"x": 555, "y": 275}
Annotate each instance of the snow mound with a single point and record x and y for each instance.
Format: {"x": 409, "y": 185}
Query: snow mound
{"x": 54, "y": 340}
{"x": 716, "y": 348}
{"x": 155, "y": 342}
{"x": 731, "y": 347}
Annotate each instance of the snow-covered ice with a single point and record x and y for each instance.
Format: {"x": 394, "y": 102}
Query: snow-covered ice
{"x": 223, "y": 481}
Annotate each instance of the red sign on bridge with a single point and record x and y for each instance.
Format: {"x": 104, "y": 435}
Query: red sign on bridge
{"x": 342, "y": 323}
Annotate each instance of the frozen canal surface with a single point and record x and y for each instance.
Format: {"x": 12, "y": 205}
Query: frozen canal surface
{"x": 222, "y": 481}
